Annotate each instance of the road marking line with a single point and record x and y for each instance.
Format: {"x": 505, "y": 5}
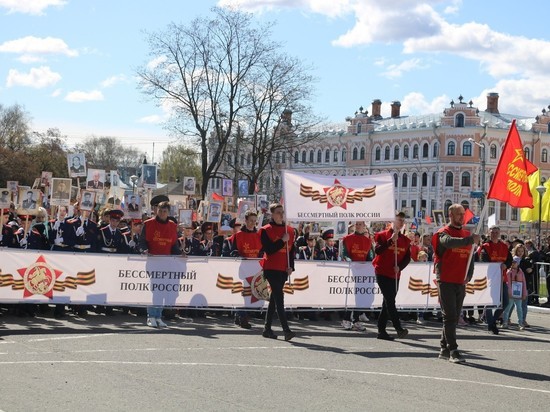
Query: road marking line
{"x": 297, "y": 368}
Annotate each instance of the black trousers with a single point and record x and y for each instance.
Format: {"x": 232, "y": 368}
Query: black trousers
{"x": 389, "y": 288}
{"x": 451, "y": 297}
{"x": 276, "y": 280}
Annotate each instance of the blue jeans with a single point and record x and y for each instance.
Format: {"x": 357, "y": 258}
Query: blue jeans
{"x": 492, "y": 318}
{"x": 154, "y": 311}
{"x": 508, "y": 310}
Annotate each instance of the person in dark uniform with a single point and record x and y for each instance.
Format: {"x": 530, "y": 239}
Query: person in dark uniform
{"x": 208, "y": 246}
{"x": 310, "y": 250}
{"x": 58, "y": 227}
{"x": 329, "y": 251}
{"x": 110, "y": 238}
{"x": 7, "y": 236}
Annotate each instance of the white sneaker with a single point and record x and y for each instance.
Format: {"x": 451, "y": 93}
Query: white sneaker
{"x": 152, "y": 322}
{"x": 346, "y": 324}
{"x": 358, "y": 326}
{"x": 363, "y": 317}
{"x": 420, "y": 321}
{"x": 160, "y": 323}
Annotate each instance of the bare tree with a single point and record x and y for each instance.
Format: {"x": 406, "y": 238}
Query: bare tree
{"x": 204, "y": 72}
{"x": 278, "y": 118}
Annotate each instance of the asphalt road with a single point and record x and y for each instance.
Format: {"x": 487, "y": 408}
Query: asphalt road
{"x": 118, "y": 364}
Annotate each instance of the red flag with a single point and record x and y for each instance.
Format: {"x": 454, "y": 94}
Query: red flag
{"x": 256, "y": 188}
{"x": 428, "y": 219}
{"x": 216, "y": 196}
{"x": 468, "y": 215}
{"x": 510, "y": 183}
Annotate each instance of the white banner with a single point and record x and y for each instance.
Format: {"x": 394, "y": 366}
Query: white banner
{"x": 109, "y": 279}
{"x": 312, "y": 197}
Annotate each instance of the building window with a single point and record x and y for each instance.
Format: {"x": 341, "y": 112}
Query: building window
{"x": 335, "y": 156}
{"x": 449, "y": 179}
{"x": 493, "y": 151}
{"x": 311, "y": 155}
{"x": 344, "y": 155}
{"x": 404, "y": 180}
{"x": 406, "y": 151}
{"x": 527, "y": 153}
{"x": 377, "y": 154}
{"x": 283, "y": 159}
{"x": 319, "y": 156}
{"x": 268, "y": 183}
{"x": 415, "y": 151}
{"x": 544, "y": 157}
{"x": 502, "y": 214}
{"x": 296, "y": 157}
{"x": 303, "y": 156}
{"x": 387, "y": 153}
{"x": 229, "y": 159}
{"x": 413, "y": 207}
{"x": 358, "y": 128}
{"x": 354, "y": 154}
{"x": 403, "y": 204}
{"x": 362, "y": 154}
{"x": 395, "y": 179}
{"x": 249, "y": 159}
{"x": 424, "y": 179}
{"x": 451, "y": 149}
{"x": 459, "y": 120}
{"x": 465, "y": 180}
{"x": 467, "y": 149}
{"x": 514, "y": 214}
{"x": 491, "y": 207}
{"x": 436, "y": 150}
{"x": 432, "y": 205}
{"x": 448, "y": 204}
{"x": 414, "y": 180}
{"x": 278, "y": 157}
{"x": 242, "y": 159}
{"x": 396, "y": 153}
{"x": 327, "y": 156}
{"x": 425, "y": 150}
{"x": 466, "y": 205}
{"x": 434, "y": 179}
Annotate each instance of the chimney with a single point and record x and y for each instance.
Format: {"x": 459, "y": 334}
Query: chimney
{"x": 395, "y": 109}
{"x": 492, "y": 103}
{"x": 376, "y": 106}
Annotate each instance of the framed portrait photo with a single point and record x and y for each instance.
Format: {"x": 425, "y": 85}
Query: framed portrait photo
{"x": 227, "y": 187}
{"x": 29, "y": 201}
{"x": 243, "y": 187}
{"x": 13, "y": 186}
{"x": 95, "y": 179}
{"x": 214, "y": 213}
{"x": 46, "y": 179}
{"x": 185, "y": 217}
{"x": 76, "y": 164}
{"x": 87, "y": 200}
{"x": 60, "y": 192}
{"x": 340, "y": 229}
{"x": 439, "y": 218}
{"x": 244, "y": 205}
{"x": 132, "y": 205}
{"x": 5, "y": 198}
{"x": 149, "y": 176}
{"x": 189, "y": 185}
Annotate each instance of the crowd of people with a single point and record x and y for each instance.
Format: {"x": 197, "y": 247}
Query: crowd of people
{"x": 278, "y": 245}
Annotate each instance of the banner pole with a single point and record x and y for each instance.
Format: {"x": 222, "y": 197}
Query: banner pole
{"x": 479, "y": 226}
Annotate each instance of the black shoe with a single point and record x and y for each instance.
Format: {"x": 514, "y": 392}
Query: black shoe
{"x": 444, "y": 354}
{"x": 384, "y": 336}
{"x": 402, "y": 333}
{"x": 493, "y": 329}
{"x": 289, "y": 335}
{"x": 456, "y": 357}
{"x": 268, "y": 333}
{"x": 238, "y": 320}
{"x": 245, "y": 324}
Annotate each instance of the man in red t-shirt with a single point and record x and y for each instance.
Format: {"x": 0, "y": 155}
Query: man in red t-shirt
{"x": 357, "y": 247}
{"x": 495, "y": 250}
{"x": 393, "y": 254}
{"x": 452, "y": 248}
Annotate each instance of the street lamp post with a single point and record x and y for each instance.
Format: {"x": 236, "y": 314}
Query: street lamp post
{"x": 134, "y": 179}
{"x": 541, "y": 189}
{"x": 483, "y": 156}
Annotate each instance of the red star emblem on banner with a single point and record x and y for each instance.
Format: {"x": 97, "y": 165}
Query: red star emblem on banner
{"x": 39, "y": 278}
{"x": 337, "y": 195}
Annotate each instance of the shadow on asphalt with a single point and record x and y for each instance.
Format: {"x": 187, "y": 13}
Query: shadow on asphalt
{"x": 508, "y": 372}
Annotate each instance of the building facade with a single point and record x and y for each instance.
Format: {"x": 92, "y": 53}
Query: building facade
{"x": 435, "y": 159}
